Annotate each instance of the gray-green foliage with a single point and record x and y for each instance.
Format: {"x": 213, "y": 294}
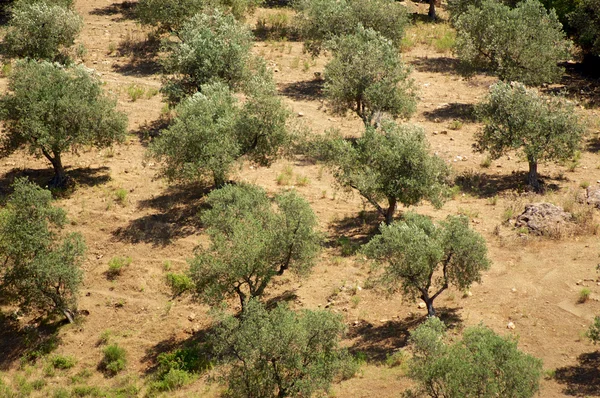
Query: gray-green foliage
{"x": 212, "y": 130}
{"x": 585, "y": 20}
{"x": 211, "y": 47}
{"x": 253, "y": 239}
{"x": 170, "y": 15}
{"x": 318, "y": 21}
{"x": 523, "y": 44}
{"x": 593, "y": 332}
{"x": 40, "y": 265}
{"x": 280, "y": 353}
{"x": 481, "y": 364}
{"x": 367, "y": 76}
{"x": 419, "y": 256}
{"x": 456, "y": 8}
{"x": 542, "y": 128}
{"x": 391, "y": 164}
{"x": 41, "y": 31}
{"x": 52, "y": 109}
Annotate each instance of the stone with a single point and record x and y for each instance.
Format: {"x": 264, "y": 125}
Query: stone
{"x": 422, "y": 305}
{"x": 191, "y": 317}
{"x": 300, "y": 114}
{"x": 544, "y": 218}
{"x": 510, "y": 325}
{"x": 592, "y": 196}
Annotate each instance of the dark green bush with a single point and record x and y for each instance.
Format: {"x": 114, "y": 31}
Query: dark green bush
{"x": 585, "y": 22}
{"x": 114, "y": 360}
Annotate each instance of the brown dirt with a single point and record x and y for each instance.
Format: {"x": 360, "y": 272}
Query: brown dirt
{"x": 532, "y": 281}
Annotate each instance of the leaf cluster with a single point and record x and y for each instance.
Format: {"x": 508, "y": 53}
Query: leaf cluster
{"x": 212, "y": 130}
{"x": 419, "y": 255}
{"x": 543, "y": 128}
{"x": 523, "y": 44}
{"x": 41, "y": 30}
{"x": 391, "y": 163}
{"x": 52, "y": 109}
{"x": 318, "y": 21}
{"x": 481, "y": 364}
{"x": 585, "y": 21}
{"x": 280, "y": 353}
{"x": 253, "y": 239}
{"x": 40, "y": 266}
{"x": 367, "y": 75}
{"x": 210, "y": 47}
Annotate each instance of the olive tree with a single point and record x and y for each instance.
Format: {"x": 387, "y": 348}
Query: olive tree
{"x": 41, "y": 31}
{"x": 212, "y": 130}
{"x": 482, "y": 364}
{"x": 391, "y": 164}
{"x": 211, "y": 47}
{"x": 585, "y": 21}
{"x": 367, "y": 76}
{"x": 40, "y": 265}
{"x": 318, "y": 21}
{"x": 419, "y": 256}
{"x": 253, "y": 239}
{"x": 281, "y": 353}
{"x": 523, "y": 44}
{"x": 593, "y": 332}
{"x": 51, "y": 109}
{"x": 542, "y": 128}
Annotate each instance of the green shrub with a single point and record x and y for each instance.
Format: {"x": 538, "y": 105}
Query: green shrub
{"x": 584, "y": 295}
{"x": 252, "y": 241}
{"x": 593, "y": 332}
{"x": 523, "y": 44}
{"x": 212, "y": 131}
{"x": 114, "y": 360}
{"x": 367, "y": 76}
{"x": 542, "y": 128}
{"x": 51, "y": 110}
{"x": 210, "y": 47}
{"x": 585, "y": 21}
{"x": 40, "y": 265}
{"x": 391, "y": 164}
{"x": 116, "y": 265}
{"x": 62, "y": 362}
{"x": 415, "y": 249}
{"x": 301, "y": 350}
{"x": 121, "y": 196}
{"x": 318, "y": 21}
{"x": 135, "y": 92}
{"x": 41, "y": 31}
{"x": 179, "y": 283}
{"x": 482, "y": 364}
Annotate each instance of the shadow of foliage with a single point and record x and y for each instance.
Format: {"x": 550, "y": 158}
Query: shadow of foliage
{"x": 581, "y": 82}
{"x": 352, "y": 232}
{"x": 83, "y": 176}
{"x": 149, "y": 130}
{"x": 377, "y": 342}
{"x": 486, "y": 185}
{"x": 287, "y": 296}
{"x": 436, "y": 64}
{"x": 126, "y": 9}
{"x": 582, "y": 379}
{"x": 177, "y": 218}
{"x": 454, "y": 110}
{"x": 307, "y": 90}
{"x": 593, "y": 144}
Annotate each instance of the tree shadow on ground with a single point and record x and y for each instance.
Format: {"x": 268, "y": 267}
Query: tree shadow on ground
{"x": 307, "y": 90}
{"x": 285, "y": 297}
{"x": 582, "y": 379}
{"x": 377, "y": 342}
{"x": 436, "y": 64}
{"x": 452, "y": 111}
{"x": 142, "y": 53}
{"x": 198, "y": 340}
{"x": 149, "y": 130}
{"x": 81, "y": 176}
{"x": 487, "y": 185}
{"x": 580, "y": 82}
{"x": 177, "y": 218}
{"x": 126, "y": 9}
{"x": 352, "y": 232}
{"x": 593, "y": 144}
{"x": 28, "y": 342}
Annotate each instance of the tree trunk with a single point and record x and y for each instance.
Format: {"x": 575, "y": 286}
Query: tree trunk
{"x": 429, "y": 303}
{"x": 389, "y": 214}
{"x": 432, "y": 13}
{"x": 60, "y": 177}
{"x": 532, "y": 177}
{"x": 219, "y": 180}
{"x": 70, "y": 315}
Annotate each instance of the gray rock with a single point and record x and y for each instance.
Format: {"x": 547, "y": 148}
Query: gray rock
{"x": 544, "y": 218}
{"x": 592, "y": 196}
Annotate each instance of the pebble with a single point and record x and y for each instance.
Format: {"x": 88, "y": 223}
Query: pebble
{"x": 510, "y": 325}
{"x": 422, "y": 305}
{"x": 514, "y": 290}
{"x": 191, "y": 317}
{"x": 300, "y": 114}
